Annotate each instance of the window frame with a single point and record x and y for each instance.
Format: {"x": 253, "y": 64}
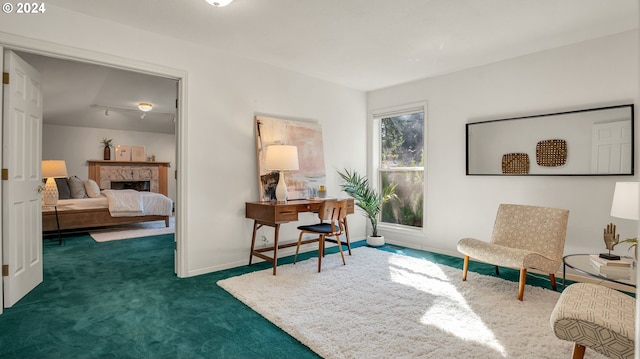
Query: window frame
{"x": 374, "y": 173}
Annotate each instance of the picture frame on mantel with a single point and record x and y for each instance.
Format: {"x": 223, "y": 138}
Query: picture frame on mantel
{"x": 123, "y": 153}
{"x": 138, "y": 154}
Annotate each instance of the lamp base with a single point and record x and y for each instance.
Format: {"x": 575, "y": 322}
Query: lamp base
{"x": 281, "y": 189}
{"x": 50, "y": 193}
{"x": 609, "y": 256}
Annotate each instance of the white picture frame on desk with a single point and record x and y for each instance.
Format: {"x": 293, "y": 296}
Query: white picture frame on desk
{"x": 123, "y": 153}
{"x": 138, "y": 154}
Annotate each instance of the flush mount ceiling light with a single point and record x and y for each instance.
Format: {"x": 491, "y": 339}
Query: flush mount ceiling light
{"x": 145, "y": 106}
{"x": 219, "y": 3}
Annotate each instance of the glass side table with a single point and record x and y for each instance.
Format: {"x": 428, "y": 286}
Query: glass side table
{"x": 582, "y": 264}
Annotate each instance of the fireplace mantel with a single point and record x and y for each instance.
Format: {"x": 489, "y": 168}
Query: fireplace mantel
{"x": 104, "y": 172}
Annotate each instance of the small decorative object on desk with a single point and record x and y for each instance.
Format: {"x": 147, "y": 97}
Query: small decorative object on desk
{"x": 610, "y": 240}
{"x": 322, "y": 192}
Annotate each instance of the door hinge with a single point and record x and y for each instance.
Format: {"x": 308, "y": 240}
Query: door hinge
{"x": 5, "y": 174}
{"x": 5, "y": 78}
{"x": 5, "y": 270}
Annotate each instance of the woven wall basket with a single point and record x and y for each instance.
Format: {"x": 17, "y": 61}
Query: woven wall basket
{"x": 551, "y": 153}
{"x": 515, "y": 163}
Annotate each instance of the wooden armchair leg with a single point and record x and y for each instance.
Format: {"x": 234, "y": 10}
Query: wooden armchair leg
{"x": 523, "y": 281}
{"x": 552, "y": 278}
{"x": 465, "y": 268}
{"x": 578, "y": 351}
{"x": 320, "y": 252}
{"x": 295, "y": 258}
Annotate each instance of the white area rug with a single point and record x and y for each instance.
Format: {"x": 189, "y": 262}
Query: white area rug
{"x": 134, "y": 230}
{"x": 384, "y": 305}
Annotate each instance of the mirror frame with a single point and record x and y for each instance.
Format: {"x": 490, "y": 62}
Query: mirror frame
{"x": 549, "y": 115}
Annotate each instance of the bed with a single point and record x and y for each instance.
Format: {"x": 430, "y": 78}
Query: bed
{"x": 103, "y": 210}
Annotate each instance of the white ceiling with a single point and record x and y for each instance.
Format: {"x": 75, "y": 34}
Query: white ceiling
{"x": 372, "y": 44}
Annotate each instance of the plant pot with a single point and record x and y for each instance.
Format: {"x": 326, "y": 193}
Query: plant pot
{"x": 375, "y": 241}
{"x": 107, "y": 153}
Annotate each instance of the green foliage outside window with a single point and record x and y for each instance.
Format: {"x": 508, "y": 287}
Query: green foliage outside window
{"x": 402, "y": 163}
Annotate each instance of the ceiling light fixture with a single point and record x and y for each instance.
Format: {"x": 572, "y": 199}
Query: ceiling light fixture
{"x": 106, "y": 112}
{"x": 143, "y": 116}
{"x": 145, "y": 106}
{"x": 219, "y": 3}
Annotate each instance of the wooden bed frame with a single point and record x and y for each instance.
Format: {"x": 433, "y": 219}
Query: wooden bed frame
{"x": 88, "y": 218}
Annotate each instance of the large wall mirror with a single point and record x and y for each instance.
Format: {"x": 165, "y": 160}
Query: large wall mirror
{"x": 591, "y": 142}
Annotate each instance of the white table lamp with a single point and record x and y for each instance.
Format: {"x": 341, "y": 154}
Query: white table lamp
{"x": 625, "y": 201}
{"x": 281, "y": 158}
{"x": 52, "y": 169}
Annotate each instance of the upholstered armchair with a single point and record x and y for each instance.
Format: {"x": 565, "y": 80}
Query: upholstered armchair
{"x": 524, "y": 237}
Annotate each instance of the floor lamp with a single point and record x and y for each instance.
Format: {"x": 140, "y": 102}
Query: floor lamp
{"x": 52, "y": 169}
{"x": 281, "y": 158}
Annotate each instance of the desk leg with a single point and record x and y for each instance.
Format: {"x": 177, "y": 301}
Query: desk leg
{"x": 253, "y": 240}
{"x": 275, "y": 247}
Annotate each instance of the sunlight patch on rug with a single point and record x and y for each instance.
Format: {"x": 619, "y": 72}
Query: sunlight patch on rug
{"x": 450, "y": 311}
{"x": 385, "y": 305}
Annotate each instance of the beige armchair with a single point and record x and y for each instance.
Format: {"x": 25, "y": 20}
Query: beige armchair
{"x": 523, "y": 237}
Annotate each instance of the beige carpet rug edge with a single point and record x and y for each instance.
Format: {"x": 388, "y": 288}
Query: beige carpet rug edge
{"x": 135, "y": 230}
{"x": 383, "y": 305}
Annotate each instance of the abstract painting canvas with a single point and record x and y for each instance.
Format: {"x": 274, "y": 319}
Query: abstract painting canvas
{"x": 307, "y": 136}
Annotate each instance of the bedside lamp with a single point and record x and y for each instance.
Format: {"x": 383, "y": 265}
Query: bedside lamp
{"x": 52, "y": 169}
{"x": 281, "y": 158}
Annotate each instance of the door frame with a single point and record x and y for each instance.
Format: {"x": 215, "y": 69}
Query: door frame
{"x": 19, "y": 43}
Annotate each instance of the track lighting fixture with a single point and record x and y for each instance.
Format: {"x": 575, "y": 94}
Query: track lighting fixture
{"x": 219, "y": 3}
{"x": 106, "y": 112}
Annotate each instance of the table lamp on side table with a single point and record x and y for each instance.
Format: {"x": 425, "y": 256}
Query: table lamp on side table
{"x": 625, "y": 204}
{"x": 52, "y": 169}
{"x": 281, "y": 158}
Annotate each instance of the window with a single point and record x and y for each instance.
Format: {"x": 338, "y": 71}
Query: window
{"x": 399, "y": 159}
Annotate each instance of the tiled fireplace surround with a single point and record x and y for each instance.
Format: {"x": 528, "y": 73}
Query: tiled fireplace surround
{"x": 105, "y": 172}
{"x": 129, "y": 174}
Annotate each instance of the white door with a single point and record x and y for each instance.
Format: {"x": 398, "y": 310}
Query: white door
{"x": 21, "y": 158}
{"x": 611, "y": 147}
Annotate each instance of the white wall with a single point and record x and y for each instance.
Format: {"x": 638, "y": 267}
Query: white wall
{"x": 591, "y": 74}
{"x": 76, "y": 145}
{"x": 222, "y": 95}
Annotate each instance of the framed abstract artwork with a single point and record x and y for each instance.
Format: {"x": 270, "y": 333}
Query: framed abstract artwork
{"x": 307, "y": 137}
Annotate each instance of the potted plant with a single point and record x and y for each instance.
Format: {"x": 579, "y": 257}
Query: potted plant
{"x": 107, "y": 148}
{"x": 368, "y": 200}
{"x": 634, "y": 245}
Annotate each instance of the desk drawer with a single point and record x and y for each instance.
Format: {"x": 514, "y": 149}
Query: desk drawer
{"x": 286, "y": 213}
{"x": 308, "y": 207}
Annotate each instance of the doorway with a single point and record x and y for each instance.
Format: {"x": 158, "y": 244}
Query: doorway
{"x": 60, "y": 52}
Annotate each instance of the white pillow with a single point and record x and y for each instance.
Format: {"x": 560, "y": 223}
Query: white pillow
{"x": 93, "y": 190}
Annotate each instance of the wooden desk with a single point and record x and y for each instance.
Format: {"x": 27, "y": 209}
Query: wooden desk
{"x": 273, "y": 214}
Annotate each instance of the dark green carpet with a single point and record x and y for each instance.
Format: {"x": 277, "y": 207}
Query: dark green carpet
{"x": 121, "y": 299}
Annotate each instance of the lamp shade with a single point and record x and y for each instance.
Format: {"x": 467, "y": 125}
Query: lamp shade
{"x": 281, "y": 157}
{"x": 54, "y": 169}
{"x": 625, "y": 200}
